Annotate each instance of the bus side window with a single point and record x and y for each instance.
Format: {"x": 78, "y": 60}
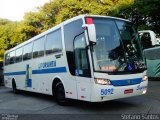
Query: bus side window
{"x": 38, "y": 47}
{"x": 12, "y": 57}
{"x": 27, "y": 53}
{"x": 19, "y": 54}
{"x": 54, "y": 42}
{"x": 81, "y": 56}
{"x": 152, "y": 54}
{"x": 7, "y": 58}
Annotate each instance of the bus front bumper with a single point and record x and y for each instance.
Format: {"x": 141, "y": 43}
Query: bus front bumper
{"x": 109, "y": 92}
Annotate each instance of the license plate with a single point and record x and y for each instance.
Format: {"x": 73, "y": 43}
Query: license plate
{"x": 128, "y": 91}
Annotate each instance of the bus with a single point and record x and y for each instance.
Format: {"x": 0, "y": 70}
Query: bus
{"x": 89, "y": 57}
{"x": 153, "y": 62}
{"x": 150, "y": 43}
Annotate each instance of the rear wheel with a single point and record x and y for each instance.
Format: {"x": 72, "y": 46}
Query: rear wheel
{"x": 60, "y": 94}
{"x": 14, "y": 88}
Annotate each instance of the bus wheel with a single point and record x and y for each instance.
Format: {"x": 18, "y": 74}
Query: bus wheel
{"x": 14, "y": 88}
{"x": 60, "y": 94}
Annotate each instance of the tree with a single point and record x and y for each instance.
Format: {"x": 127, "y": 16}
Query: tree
{"x": 143, "y": 13}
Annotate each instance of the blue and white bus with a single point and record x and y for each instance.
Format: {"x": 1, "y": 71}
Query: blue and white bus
{"x": 88, "y": 57}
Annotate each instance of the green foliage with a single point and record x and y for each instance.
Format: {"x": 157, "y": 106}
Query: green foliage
{"x": 4, "y": 21}
{"x": 10, "y": 36}
{"x": 144, "y": 13}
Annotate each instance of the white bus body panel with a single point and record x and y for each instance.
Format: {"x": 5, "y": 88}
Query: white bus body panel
{"x": 42, "y": 82}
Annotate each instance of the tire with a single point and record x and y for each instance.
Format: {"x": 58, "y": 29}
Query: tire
{"x": 14, "y": 88}
{"x": 60, "y": 95}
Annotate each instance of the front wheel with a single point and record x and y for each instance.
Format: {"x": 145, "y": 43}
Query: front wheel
{"x": 60, "y": 95}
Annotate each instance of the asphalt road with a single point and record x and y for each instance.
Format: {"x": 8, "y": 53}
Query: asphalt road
{"x": 26, "y": 106}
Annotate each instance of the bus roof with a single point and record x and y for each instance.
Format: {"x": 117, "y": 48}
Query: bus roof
{"x": 82, "y": 16}
{"x": 59, "y": 25}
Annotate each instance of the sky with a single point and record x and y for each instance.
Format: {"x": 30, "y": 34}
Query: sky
{"x": 15, "y": 9}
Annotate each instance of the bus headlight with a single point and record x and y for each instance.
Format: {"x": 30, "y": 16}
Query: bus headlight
{"x": 102, "y": 81}
{"x": 145, "y": 78}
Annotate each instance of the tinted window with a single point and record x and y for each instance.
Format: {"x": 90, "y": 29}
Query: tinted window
{"x": 54, "y": 42}
{"x": 27, "y": 53}
{"x": 38, "y": 47}
{"x": 12, "y": 57}
{"x": 71, "y": 30}
{"x": 19, "y": 55}
{"x": 7, "y": 57}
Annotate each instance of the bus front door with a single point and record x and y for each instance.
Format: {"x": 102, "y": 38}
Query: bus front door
{"x": 82, "y": 71}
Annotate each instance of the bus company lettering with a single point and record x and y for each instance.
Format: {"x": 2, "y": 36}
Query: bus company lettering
{"x": 45, "y": 65}
{"x": 139, "y": 87}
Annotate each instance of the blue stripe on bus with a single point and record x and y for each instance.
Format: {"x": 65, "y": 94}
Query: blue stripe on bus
{"x": 15, "y": 73}
{"x": 51, "y": 70}
{"x": 41, "y": 71}
{"x": 126, "y": 82}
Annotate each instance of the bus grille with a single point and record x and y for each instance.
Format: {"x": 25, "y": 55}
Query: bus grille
{"x": 126, "y": 82}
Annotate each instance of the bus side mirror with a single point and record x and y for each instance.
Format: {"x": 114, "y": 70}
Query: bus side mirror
{"x": 91, "y": 32}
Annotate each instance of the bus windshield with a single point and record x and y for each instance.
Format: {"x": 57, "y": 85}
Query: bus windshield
{"x": 117, "y": 48}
